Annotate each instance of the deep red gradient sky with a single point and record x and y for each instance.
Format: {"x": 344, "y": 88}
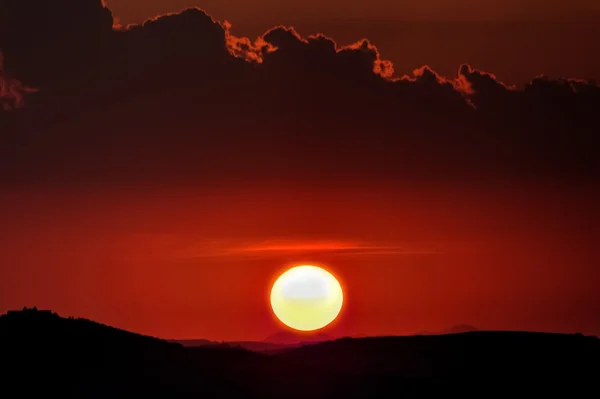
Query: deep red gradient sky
{"x": 158, "y": 183}
{"x": 198, "y": 263}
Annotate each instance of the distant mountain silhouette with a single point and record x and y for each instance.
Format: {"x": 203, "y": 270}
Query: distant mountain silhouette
{"x": 255, "y": 346}
{"x": 297, "y": 338}
{"x": 278, "y": 342}
{"x": 359, "y": 335}
{"x": 192, "y": 343}
{"x": 460, "y": 328}
{"x": 43, "y": 354}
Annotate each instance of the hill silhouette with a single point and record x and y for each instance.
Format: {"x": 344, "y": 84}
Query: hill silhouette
{"x": 255, "y": 346}
{"x": 43, "y": 353}
{"x": 194, "y": 342}
{"x": 275, "y": 343}
{"x": 457, "y": 329}
{"x": 297, "y": 338}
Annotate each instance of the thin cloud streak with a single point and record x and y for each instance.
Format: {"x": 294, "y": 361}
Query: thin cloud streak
{"x": 278, "y": 247}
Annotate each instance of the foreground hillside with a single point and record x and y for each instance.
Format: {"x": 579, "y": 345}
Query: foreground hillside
{"x": 43, "y": 353}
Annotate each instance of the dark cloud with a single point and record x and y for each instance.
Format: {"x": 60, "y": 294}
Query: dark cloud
{"x": 181, "y": 97}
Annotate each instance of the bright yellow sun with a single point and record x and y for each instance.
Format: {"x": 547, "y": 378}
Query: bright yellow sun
{"x": 306, "y": 298}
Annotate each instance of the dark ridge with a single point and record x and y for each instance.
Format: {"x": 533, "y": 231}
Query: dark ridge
{"x": 488, "y": 357}
{"x": 33, "y": 326}
{"x": 82, "y": 358}
{"x": 43, "y": 353}
{"x": 254, "y": 346}
{"x": 194, "y": 342}
{"x": 297, "y": 338}
{"x": 459, "y": 328}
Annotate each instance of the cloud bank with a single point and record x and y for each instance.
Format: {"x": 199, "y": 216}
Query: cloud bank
{"x": 181, "y": 97}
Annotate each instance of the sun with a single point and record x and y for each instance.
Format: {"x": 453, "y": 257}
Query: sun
{"x": 306, "y": 298}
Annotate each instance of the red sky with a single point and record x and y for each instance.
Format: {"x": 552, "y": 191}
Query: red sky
{"x": 155, "y": 182}
{"x": 198, "y": 263}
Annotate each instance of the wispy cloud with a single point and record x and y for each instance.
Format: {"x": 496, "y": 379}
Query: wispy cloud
{"x": 12, "y": 91}
{"x": 275, "y": 247}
